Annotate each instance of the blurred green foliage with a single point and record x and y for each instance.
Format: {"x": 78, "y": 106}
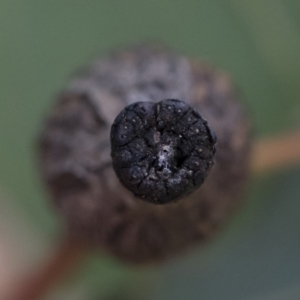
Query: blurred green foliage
{"x": 256, "y": 41}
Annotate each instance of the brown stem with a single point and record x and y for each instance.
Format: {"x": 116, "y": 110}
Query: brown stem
{"x": 268, "y": 155}
{"x": 276, "y": 153}
{"x": 64, "y": 259}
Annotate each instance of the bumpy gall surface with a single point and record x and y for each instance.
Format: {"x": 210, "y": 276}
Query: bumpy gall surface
{"x": 161, "y": 151}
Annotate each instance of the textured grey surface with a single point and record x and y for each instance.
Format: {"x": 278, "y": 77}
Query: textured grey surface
{"x": 161, "y": 151}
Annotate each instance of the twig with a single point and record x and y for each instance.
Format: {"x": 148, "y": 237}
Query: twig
{"x": 64, "y": 259}
{"x": 277, "y": 153}
{"x": 268, "y": 155}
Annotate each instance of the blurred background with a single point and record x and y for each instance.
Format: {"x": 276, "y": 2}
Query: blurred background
{"x": 257, "y": 42}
